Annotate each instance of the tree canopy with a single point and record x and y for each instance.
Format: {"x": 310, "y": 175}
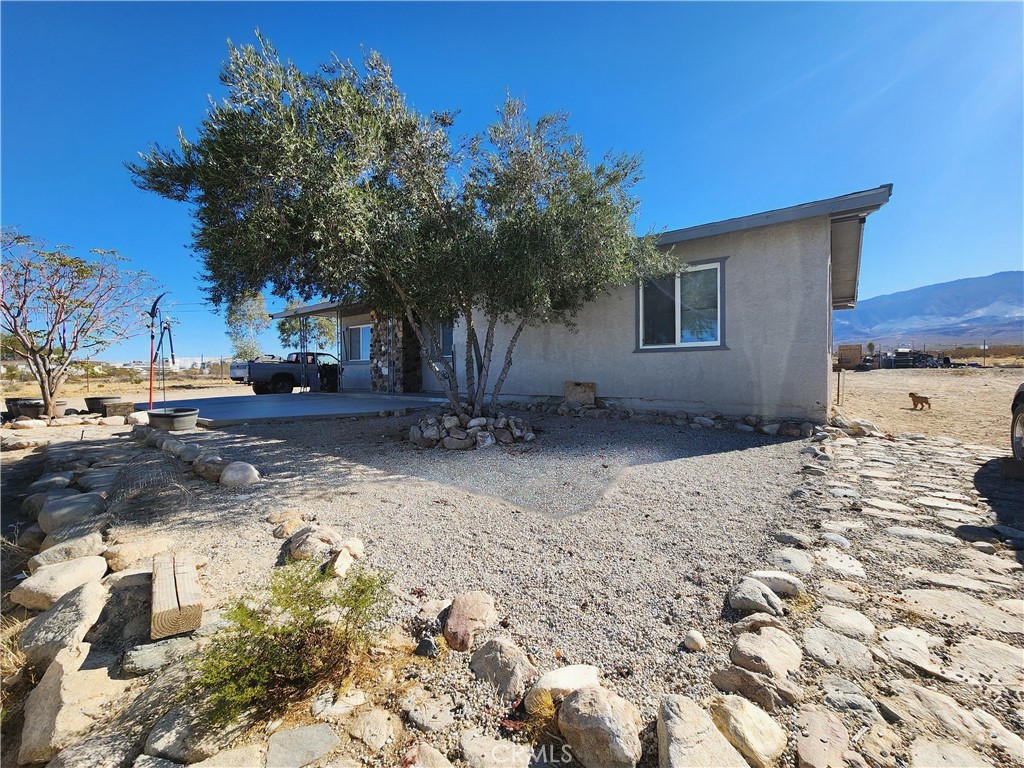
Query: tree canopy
{"x": 246, "y": 319}
{"x": 330, "y": 183}
{"x": 57, "y": 306}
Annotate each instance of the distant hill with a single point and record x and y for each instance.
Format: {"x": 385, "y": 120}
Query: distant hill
{"x": 965, "y": 311}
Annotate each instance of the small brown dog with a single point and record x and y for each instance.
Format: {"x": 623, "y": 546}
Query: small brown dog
{"x": 920, "y": 401}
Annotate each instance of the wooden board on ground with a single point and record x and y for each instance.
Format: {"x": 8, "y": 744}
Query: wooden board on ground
{"x": 177, "y": 599}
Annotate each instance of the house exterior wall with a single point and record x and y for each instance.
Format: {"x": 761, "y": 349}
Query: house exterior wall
{"x": 776, "y": 336}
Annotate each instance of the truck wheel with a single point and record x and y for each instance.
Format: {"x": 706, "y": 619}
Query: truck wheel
{"x": 282, "y": 386}
{"x": 1017, "y": 432}
{"x": 262, "y": 388}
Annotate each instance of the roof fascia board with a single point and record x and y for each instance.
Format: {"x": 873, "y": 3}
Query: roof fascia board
{"x": 854, "y": 204}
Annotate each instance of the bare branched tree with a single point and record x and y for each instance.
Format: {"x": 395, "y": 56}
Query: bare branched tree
{"x": 59, "y": 307}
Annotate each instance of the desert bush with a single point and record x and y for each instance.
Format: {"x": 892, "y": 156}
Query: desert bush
{"x": 305, "y": 629}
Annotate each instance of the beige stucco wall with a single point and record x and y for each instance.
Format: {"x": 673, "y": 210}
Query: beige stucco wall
{"x": 776, "y": 321}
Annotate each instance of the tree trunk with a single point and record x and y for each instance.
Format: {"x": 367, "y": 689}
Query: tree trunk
{"x": 471, "y": 344}
{"x": 507, "y": 365}
{"x": 481, "y": 384}
{"x": 445, "y": 373}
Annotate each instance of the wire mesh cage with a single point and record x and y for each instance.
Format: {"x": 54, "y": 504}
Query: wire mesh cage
{"x": 146, "y": 487}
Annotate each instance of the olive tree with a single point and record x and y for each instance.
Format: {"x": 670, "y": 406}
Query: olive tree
{"x": 331, "y": 184}
{"x": 58, "y": 307}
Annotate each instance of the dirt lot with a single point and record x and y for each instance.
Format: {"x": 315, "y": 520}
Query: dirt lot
{"x": 972, "y": 405}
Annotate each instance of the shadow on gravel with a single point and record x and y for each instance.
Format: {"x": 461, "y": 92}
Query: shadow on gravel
{"x": 565, "y": 471}
{"x": 1006, "y": 497}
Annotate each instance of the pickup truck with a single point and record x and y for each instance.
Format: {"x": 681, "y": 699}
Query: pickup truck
{"x": 321, "y": 372}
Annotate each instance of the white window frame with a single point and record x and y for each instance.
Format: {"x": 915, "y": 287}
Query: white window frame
{"x": 348, "y": 339}
{"x": 688, "y": 344}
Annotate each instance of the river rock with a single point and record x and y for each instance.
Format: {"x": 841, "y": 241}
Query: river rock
{"x": 64, "y": 625}
{"x": 296, "y": 747}
{"x": 83, "y": 546}
{"x": 847, "y": 622}
{"x": 769, "y": 693}
{"x": 237, "y": 757}
{"x": 48, "y": 584}
{"x": 750, "y": 596}
{"x": 238, "y": 474}
{"x": 124, "y": 555}
{"x": 693, "y": 640}
{"x": 555, "y": 685}
{"x": 601, "y": 727}
{"x": 210, "y": 468}
{"x": 845, "y": 696}
{"x": 754, "y": 622}
{"x": 313, "y": 541}
{"x": 33, "y": 504}
{"x": 470, "y": 613}
{"x": 793, "y": 560}
{"x": 769, "y": 651}
{"x": 31, "y": 538}
{"x": 781, "y": 583}
{"x": 61, "y": 511}
{"x": 501, "y": 663}
{"x": 687, "y": 737}
{"x": 840, "y": 562}
{"x": 957, "y": 609}
{"x": 750, "y": 729}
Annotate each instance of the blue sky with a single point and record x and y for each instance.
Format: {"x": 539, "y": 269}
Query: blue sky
{"x": 736, "y": 108}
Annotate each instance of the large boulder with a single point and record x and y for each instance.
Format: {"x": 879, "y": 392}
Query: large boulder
{"x": 750, "y": 729}
{"x": 752, "y": 596}
{"x": 314, "y": 541}
{"x": 601, "y": 728}
{"x": 769, "y": 651}
{"x": 61, "y": 511}
{"x": 555, "y": 685}
{"x": 83, "y": 546}
{"x": 238, "y": 474}
{"x": 504, "y": 665}
{"x": 470, "y": 613}
{"x": 64, "y": 625}
{"x": 66, "y": 703}
{"x": 47, "y": 585}
{"x": 305, "y": 745}
{"x": 124, "y": 554}
{"x": 687, "y": 737}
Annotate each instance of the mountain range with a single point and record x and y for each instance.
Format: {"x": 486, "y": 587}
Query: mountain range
{"x": 965, "y": 311}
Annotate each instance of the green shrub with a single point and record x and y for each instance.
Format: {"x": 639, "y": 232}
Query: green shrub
{"x": 307, "y": 628}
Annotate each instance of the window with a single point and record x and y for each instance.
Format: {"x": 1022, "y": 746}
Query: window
{"x": 359, "y": 342}
{"x": 682, "y": 311}
{"x": 444, "y": 335}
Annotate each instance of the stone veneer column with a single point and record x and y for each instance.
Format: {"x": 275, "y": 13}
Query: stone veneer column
{"x": 385, "y": 353}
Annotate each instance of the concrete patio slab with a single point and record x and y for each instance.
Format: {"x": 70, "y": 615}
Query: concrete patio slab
{"x": 217, "y": 412}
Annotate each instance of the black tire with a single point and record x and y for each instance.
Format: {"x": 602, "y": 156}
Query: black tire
{"x": 1017, "y": 433}
{"x": 261, "y": 388}
{"x": 282, "y": 385}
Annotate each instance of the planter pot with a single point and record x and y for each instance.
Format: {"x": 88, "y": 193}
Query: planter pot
{"x": 173, "y": 419}
{"x": 12, "y": 406}
{"x": 95, "y": 404}
{"x": 31, "y": 408}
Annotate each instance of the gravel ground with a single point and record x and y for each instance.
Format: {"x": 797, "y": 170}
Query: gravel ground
{"x": 602, "y": 542}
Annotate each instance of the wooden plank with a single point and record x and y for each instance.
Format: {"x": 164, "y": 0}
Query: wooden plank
{"x": 177, "y": 597}
{"x": 190, "y": 596}
{"x": 165, "y": 598}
